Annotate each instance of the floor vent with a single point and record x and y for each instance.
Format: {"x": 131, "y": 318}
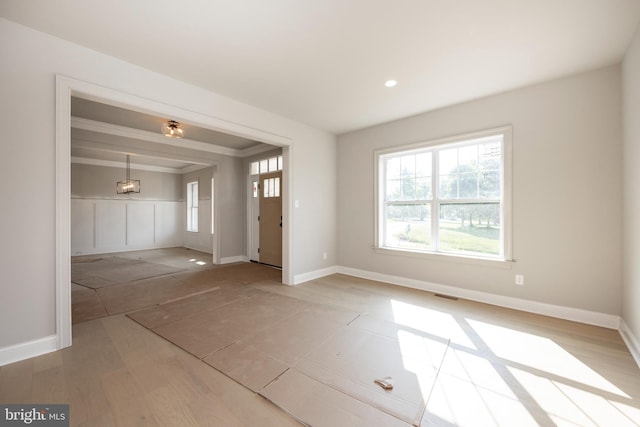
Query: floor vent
{"x": 447, "y": 297}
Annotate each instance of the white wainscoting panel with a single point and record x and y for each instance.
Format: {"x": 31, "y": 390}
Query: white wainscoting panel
{"x": 111, "y": 225}
{"x": 168, "y": 223}
{"x": 103, "y": 226}
{"x": 82, "y": 225}
{"x": 140, "y": 224}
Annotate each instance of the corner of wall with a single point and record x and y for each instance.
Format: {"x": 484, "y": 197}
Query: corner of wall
{"x": 631, "y": 341}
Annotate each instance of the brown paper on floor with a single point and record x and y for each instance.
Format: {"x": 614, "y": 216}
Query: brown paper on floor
{"x": 113, "y": 270}
{"x": 179, "y": 309}
{"x": 203, "y": 333}
{"x": 85, "y": 304}
{"x": 351, "y": 360}
{"x": 144, "y": 293}
{"x": 319, "y": 405}
{"x": 253, "y": 335}
{"x": 295, "y": 336}
{"x": 248, "y": 366}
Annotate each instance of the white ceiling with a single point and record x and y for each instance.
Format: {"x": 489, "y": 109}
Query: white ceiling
{"x": 324, "y": 62}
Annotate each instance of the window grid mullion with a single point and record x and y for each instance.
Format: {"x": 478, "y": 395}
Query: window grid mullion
{"x": 407, "y": 187}
{"x": 435, "y": 206}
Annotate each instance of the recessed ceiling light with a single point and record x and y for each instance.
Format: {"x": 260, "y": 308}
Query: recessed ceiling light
{"x": 390, "y": 83}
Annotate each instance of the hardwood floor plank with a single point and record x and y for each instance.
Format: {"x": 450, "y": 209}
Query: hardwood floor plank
{"x": 15, "y": 381}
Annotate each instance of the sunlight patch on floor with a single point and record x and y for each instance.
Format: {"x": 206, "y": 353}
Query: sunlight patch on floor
{"x": 540, "y": 353}
{"x": 493, "y": 375}
{"x": 429, "y": 321}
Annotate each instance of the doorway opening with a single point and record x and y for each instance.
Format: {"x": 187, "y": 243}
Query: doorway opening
{"x": 66, "y": 88}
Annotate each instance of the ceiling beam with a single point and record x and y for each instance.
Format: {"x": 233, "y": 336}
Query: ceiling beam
{"x": 142, "y": 135}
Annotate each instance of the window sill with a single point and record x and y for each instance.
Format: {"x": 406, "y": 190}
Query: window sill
{"x": 464, "y": 259}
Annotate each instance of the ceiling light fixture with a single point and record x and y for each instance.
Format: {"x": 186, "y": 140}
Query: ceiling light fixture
{"x": 128, "y": 185}
{"x": 390, "y": 83}
{"x": 172, "y": 129}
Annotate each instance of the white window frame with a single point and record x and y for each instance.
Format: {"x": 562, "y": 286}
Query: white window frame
{"x": 268, "y": 165}
{"x": 192, "y": 206}
{"x": 505, "y": 199}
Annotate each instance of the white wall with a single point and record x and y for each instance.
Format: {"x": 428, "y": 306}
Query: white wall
{"x": 27, "y": 84}
{"x": 315, "y": 184}
{"x": 566, "y": 193}
{"x": 631, "y": 185}
{"x": 99, "y": 182}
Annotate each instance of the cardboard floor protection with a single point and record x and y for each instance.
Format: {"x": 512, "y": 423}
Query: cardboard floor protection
{"x": 316, "y": 404}
{"x": 86, "y": 304}
{"x": 313, "y": 357}
{"x": 108, "y": 271}
{"x": 132, "y": 296}
{"x": 103, "y": 295}
{"x": 352, "y": 360}
{"x": 248, "y": 366}
{"x": 255, "y": 336}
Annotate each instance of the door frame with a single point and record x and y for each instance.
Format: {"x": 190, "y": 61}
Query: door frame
{"x": 66, "y": 87}
{"x": 253, "y": 209}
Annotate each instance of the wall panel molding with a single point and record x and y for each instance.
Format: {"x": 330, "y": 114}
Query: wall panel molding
{"x": 102, "y": 226}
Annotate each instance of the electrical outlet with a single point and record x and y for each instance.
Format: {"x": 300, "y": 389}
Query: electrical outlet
{"x": 324, "y": 256}
{"x": 519, "y": 279}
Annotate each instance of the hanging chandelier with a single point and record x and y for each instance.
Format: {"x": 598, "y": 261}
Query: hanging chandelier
{"x": 128, "y": 185}
{"x": 172, "y": 129}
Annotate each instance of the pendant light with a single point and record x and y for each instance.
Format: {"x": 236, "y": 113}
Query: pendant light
{"x": 129, "y": 185}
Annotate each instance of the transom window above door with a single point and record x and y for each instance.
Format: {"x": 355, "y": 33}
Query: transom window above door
{"x": 272, "y": 164}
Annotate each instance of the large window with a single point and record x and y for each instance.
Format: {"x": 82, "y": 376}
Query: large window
{"x": 192, "y": 206}
{"x": 448, "y": 196}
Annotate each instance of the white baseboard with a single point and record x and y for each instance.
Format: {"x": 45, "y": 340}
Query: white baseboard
{"x": 632, "y": 342}
{"x": 94, "y": 251}
{"x": 194, "y": 248}
{"x": 305, "y": 277}
{"x": 568, "y": 313}
{"x": 232, "y": 259}
{"x": 26, "y": 350}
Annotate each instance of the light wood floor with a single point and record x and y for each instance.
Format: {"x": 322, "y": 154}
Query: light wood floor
{"x": 502, "y": 367}
{"x": 117, "y": 373}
